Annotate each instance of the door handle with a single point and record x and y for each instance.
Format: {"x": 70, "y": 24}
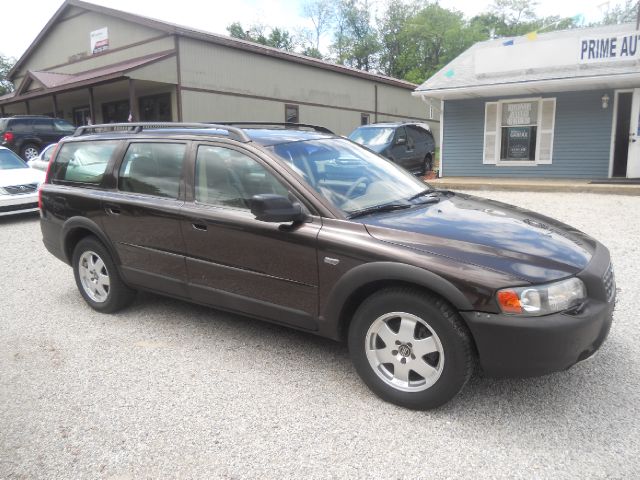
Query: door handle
{"x": 202, "y": 227}
{"x": 112, "y": 209}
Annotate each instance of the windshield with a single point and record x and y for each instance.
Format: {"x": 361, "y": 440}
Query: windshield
{"x": 350, "y": 177}
{"x": 10, "y": 161}
{"x": 372, "y": 135}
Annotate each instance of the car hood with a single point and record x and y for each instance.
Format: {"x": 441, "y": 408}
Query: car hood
{"x": 20, "y": 176}
{"x": 490, "y": 234}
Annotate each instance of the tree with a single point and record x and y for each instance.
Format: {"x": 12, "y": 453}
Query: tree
{"x": 6, "y": 64}
{"x": 394, "y": 42}
{"x": 621, "y": 13}
{"x": 277, "y": 37}
{"x": 321, "y": 13}
{"x": 355, "y": 39}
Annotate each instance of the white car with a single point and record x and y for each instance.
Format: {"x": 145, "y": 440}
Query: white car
{"x": 41, "y": 162}
{"x": 18, "y": 184}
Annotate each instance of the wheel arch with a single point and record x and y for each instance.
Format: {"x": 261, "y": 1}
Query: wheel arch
{"x": 77, "y": 228}
{"x": 362, "y": 281}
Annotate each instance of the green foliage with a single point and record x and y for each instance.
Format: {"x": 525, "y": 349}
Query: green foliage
{"x": 411, "y": 39}
{"x": 6, "y": 64}
{"x": 355, "y": 38}
{"x": 621, "y": 13}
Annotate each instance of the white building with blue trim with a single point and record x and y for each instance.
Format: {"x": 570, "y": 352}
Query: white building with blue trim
{"x": 560, "y": 104}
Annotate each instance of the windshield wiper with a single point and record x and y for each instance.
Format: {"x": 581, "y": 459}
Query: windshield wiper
{"x": 378, "y": 209}
{"x": 421, "y": 193}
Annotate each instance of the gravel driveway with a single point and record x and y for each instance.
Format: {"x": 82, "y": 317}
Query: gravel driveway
{"x": 167, "y": 389}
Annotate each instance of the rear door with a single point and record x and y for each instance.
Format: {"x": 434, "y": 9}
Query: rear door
{"x": 403, "y": 149}
{"x": 142, "y": 216}
{"x": 44, "y": 131}
{"x": 236, "y": 262}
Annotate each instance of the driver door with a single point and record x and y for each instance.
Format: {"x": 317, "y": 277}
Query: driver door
{"x": 236, "y": 262}
{"x": 402, "y": 151}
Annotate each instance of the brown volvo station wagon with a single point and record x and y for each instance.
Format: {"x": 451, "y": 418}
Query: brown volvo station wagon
{"x": 304, "y": 228}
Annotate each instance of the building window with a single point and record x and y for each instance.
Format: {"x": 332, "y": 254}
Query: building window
{"x": 156, "y": 108}
{"x": 364, "y": 119}
{"x": 519, "y": 132}
{"x": 82, "y": 116}
{"x": 292, "y": 113}
{"x": 115, "y": 112}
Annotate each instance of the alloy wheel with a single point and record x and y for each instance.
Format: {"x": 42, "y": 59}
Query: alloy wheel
{"x": 94, "y": 276}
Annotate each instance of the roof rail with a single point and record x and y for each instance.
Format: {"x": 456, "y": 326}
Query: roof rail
{"x": 291, "y": 125}
{"x": 137, "y": 127}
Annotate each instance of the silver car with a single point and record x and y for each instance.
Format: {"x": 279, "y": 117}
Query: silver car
{"x": 18, "y": 184}
{"x": 41, "y": 162}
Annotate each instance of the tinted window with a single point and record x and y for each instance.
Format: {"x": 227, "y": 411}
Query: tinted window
{"x": 228, "y": 178}
{"x": 3, "y": 124}
{"x": 10, "y": 161}
{"x": 152, "y": 169}
{"x": 42, "y": 125}
{"x": 20, "y": 126}
{"x": 83, "y": 162}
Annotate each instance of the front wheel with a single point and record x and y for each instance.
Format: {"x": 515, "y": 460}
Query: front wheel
{"x": 411, "y": 348}
{"x": 97, "y": 277}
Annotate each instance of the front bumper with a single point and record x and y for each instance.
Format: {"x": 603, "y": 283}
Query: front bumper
{"x": 520, "y": 346}
{"x": 14, "y": 204}
{"x": 511, "y": 346}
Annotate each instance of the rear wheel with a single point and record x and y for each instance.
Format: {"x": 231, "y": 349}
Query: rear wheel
{"x": 411, "y": 348}
{"x": 30, "y": 151}
{"x": 97, "y": 277}
{"x": 427, "y": 164}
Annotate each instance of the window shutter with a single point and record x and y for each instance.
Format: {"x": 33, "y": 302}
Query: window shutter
{"x": 490, "y": 133}
{"x": 547, "y": 125}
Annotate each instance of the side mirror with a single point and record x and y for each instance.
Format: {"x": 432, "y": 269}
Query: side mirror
{"x": 401, "y": 140}
{"x": 268, "y": 207}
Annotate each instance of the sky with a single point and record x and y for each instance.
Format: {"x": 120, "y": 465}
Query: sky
{"x": 20, "y": 26}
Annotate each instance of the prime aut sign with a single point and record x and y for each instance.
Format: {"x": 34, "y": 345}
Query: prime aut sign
{"x": 610, "y": 48}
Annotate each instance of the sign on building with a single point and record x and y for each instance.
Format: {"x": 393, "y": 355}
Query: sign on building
{"x": 99, "y": 40}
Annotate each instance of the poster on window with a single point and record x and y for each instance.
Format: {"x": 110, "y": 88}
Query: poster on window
{"x": 518, "y": 143}
{"x": 524, "y": 113}
{"x": 99, "y": 40}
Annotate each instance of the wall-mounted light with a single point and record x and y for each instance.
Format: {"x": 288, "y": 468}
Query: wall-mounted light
{"x": 605, "y": 101}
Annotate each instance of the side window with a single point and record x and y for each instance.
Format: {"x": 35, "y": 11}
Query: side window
{"x": 401, "y": 134}
{"x": 46, "y": 155}
{"x": 152, "y": 169}
{"x": 228, "y": 178}
{"x": 42, "y": 125}
{"x": 83, "y": 162}
{"x": 21, "y": 126}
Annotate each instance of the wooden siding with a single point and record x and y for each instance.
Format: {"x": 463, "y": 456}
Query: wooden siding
{"x": 69, "y": 39}
{"x": 581, "y": 145}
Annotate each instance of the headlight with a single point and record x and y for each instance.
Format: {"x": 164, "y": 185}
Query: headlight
{"x": 542, "y": 299}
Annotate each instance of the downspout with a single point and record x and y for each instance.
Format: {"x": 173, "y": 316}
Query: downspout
{"x": 375, "y": 88}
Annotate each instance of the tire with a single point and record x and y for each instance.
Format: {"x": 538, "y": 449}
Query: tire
{"x": 427, "y": 165}
{"x": 97, "y": 277}
{"x": 413, "y": 322}
{"x": 29, "y": 151}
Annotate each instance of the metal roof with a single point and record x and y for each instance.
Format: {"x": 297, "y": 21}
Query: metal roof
{"x": 215, "y": 38}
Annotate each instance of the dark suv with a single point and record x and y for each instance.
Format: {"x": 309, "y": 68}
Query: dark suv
{"x": 272, "y": 223}
{"x": 27, "y": 135}
{"x": 410, "y": 145}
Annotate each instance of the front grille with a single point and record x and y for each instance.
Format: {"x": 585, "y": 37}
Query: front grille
{"x": 15, "y": 208}
{"x": 609, "y": 281}
{"x": 21, "y": 189}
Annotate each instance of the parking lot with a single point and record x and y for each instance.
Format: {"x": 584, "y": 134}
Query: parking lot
{"x": 166, "y": 389}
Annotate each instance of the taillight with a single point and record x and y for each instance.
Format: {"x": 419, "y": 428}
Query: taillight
{"x": 8, "y": 137}
{"x": 47, "y": 175}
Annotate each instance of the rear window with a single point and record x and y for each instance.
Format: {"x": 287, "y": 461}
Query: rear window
{"x": 83, "y": 162}
{"x": 3, "y": 124}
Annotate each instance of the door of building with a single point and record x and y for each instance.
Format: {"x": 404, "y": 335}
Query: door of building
{"x": 633, "y": 158}
{"x": 626, "y": 150}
